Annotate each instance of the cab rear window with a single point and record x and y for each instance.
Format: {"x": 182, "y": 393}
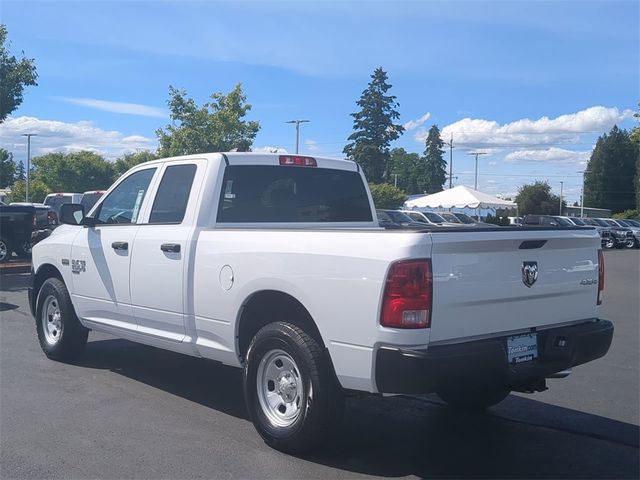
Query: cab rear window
{"x": 265, "y": 193}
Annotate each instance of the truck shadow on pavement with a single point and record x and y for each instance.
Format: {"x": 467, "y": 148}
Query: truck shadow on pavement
{"x": 398, "y": 436}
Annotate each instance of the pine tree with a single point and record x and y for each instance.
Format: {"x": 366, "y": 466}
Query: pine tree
{"x": 21, "y": 172}
{"x": 610, "y": 172}
{"x": 435, "y": 167}
{"x": 374, "y": 129}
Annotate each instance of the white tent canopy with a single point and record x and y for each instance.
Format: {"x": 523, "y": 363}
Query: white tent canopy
{"x": 459, "y": 197}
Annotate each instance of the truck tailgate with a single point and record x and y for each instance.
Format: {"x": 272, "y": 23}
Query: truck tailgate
{"x": 480, "y": 283}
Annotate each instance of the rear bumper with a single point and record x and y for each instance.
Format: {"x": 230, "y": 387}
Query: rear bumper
{"x": 485, "y": 361}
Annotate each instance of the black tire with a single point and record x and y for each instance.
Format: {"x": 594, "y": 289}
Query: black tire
{"x": 473, "y": 399}
{"x": 321, "y": 401}
{"x": 630, "y": 243}
{"x": 68, "y": 340}
{"x": 24, "y": 250}
{"x": 5, "y": 250}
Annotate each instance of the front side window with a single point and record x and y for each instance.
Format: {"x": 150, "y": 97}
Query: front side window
{"x": 265, "y": 193}
{"x": 171, "y": 200}
{"x": 433, "y": 217}
{"x": 123, "y": 204}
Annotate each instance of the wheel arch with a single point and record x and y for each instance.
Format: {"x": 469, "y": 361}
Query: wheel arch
{"x": 44, "y": 272}
{"x": 266, "y": 306}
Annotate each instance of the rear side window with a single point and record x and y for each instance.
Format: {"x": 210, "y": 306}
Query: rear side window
{"x": 171, "y": 200}
{"x": 264, "y": 193}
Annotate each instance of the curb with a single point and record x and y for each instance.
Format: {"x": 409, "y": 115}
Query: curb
{"x": 14, "y": 268}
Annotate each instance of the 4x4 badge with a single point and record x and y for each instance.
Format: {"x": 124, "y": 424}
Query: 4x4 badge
{"x": 529, "y": 273}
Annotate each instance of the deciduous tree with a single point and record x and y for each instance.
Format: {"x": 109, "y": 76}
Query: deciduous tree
{"x": 216, "y": 126}
{"x": 611, "y": 171}
{"x": 374, "y": 129}
{"x": 73, "y": 172}
{"x": 8, "y": 168}
{"x": 536, "y": 198}
{"x": 37, "y": 191}
{"x": 387, "y": 196}
{"x": 15, "y": 75}
{"x": 130, "y": 160}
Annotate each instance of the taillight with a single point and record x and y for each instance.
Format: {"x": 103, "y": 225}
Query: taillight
{"x": 600, "y": 276}
{"x": 408, "y": 295}
{"x": 34, "y": 220}
{"x": 52, "y": 218}
{"x": 298, "y": 161}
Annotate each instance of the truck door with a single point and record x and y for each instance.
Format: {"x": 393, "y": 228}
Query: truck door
{"x": 101, "y": 255}
{"x": 161, "y": 252}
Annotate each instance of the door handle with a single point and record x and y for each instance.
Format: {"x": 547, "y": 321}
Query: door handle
{"x": 170, "y": 247}
{"x": 120, "y": 246}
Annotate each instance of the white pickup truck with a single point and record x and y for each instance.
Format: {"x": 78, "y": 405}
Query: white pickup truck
{"x": 276, "y": 264}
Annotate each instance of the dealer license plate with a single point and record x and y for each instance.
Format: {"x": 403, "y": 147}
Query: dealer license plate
{"x": 522, "y": 348}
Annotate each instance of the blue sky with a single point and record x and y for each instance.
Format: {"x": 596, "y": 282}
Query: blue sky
{"x": 532, "y": 84}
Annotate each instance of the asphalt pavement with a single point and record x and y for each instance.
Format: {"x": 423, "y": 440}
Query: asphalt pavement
{"x": 131, "y": 411}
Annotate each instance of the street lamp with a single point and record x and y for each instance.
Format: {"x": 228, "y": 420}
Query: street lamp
{"x": 583, "y": 172}
{"x": 28, "y": 135}
{"x": 298, "y": 122}
{"x": 475, "y": 187}
{"x": 561, "y": 185}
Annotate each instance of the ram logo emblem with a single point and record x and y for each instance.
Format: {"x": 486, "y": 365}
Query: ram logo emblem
{"x": 529, "y": 273}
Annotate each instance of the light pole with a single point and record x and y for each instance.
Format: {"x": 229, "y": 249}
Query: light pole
{"x": 561, "y": 185}
{"x": 298, "y": 122}
{"x": 28, "y": 135}
{"x": 450, "y": 145}
{"x": 475, "y": 185}
{"x": 584, "y": 172}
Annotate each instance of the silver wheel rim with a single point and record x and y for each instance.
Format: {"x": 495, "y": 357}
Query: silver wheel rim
{"x": 630, "y": 243}
{"x": 3, "y": 250}
{"x": 609, "y": 243}
{"x": 51, "y": 319}
{"x": 280, "y": 388}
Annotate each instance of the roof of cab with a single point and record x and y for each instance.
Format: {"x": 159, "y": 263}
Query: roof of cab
{"x": 257, "y": 158}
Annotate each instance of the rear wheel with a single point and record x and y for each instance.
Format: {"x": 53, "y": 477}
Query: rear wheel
{"x": 60, "y": 333}
{"x": 290, "y": 389}
{"x": 5, "y": 250}
{"x": 473, "y": 399}
{"x": 630, "y": 243}
{"x": 24, "y": 250}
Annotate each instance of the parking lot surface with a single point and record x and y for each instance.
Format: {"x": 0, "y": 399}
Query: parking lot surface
{"x": 129, "y": 411}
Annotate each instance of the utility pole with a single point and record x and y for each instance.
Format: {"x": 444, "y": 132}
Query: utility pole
{"x": 395, "y": 180}
{"x": 450, "y": 144}
{"x": 561, "y": 185}
{"x": 28, "y": 135}
{"x": 298, "y": 122}
{"x": 476, "y": 154}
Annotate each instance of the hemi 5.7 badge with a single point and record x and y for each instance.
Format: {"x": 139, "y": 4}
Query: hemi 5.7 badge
{"x": 78, "y": 266}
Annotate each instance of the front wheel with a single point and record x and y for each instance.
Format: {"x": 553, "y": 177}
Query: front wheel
{"x": 630, "y": 243}
{"x": 60, "y": 333}
{"x": 473, "y": 399}
{"x": 291, "y": 392}
{"x": 609, "y": 243}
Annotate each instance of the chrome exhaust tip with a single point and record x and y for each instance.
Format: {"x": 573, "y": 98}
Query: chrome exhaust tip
{"x": 561, "y": 374}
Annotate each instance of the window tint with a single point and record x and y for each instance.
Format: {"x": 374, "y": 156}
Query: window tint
{"x": 89, "y": 200}
{"x": 123, "y": 204}
{"x": 433, "y": 217}
{"x": 173, "y": 194}
{"x": 263, "y": 193}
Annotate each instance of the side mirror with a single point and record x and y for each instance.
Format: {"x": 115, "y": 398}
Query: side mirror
{"x": 71, "y": 214}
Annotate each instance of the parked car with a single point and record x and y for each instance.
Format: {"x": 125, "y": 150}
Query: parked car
{"x": 629, "y": 224}
{"x": 90, "y": 198}
{"x": 56, "y": 200}
{"x": 623, "y": 235}
{"x": 16, "y": 225}
{"x": 275, "y": 264}
{"x": 515, "y": 221}
{"x": 607, "y": 238}
{"x": 468, "y": 221}
{"x": 394, "y": 219}
{"x": 45, "y": 222}
{"x": 429, "y": 218}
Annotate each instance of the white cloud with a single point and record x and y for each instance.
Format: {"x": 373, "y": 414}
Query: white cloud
{"x": 312, "y": 145}
{"x": 268, "y": 149}
{"x": 549, "y": 155}
{"x": 117, "y": 107}
{"x": 57, "y": 136}
{"x": 543, "y": 131}
{"x": 413, "y": 124}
